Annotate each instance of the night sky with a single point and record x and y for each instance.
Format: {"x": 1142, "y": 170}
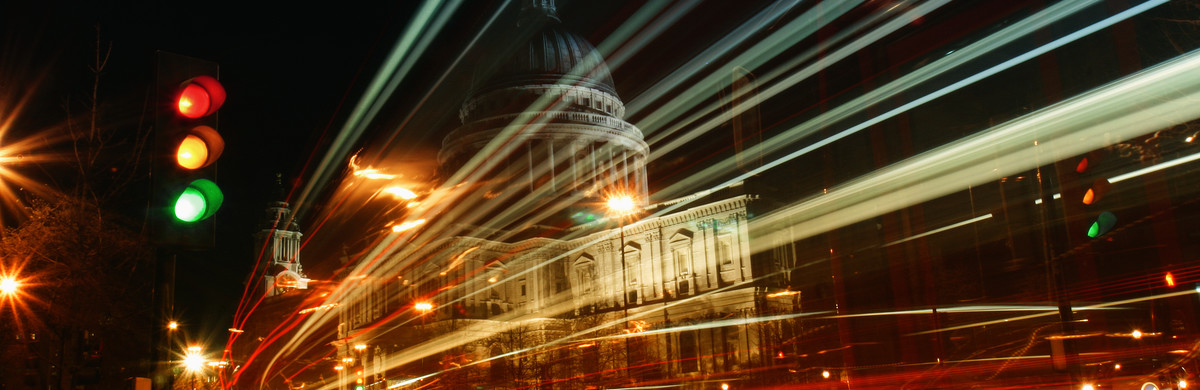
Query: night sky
{"x": 291, "y": 74}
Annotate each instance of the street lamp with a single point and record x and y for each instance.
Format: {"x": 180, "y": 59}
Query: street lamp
{"x": 193, "y": 361}
{"x": 621, "y": 206}
{"x": 9, "y": 285}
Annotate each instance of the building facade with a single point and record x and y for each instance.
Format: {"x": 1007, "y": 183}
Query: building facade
{"x": 594, "y": 303}
{"x": 958, "y": 243}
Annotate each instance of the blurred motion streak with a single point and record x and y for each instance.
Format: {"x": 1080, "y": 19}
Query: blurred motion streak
{"x": 1135, "y": 105}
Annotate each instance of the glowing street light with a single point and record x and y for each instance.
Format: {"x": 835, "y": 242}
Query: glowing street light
{"x": 9, "y": 285}
{"x": 621, "y": 205}
{"x": 423, "y": 306}
{"x": 193, "y": 361}
{"x": 173, "y": 325}
{"x": 360, "y": 347}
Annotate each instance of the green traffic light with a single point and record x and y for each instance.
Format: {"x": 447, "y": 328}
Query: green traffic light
{"x": 198, "y": 201}
{"x": 1103, "y": 224}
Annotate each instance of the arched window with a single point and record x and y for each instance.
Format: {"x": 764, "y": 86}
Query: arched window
{"x": 498, "y": 368}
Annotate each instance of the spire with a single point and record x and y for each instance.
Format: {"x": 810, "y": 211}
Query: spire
{"x": 280, "y": 192}
{"x": 279, "y": 242}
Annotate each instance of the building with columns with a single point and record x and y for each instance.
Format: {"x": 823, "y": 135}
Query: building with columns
{"x": 277, "y": 244}
{"x": 543, "y": 134}
{"x": 945, "y": 233}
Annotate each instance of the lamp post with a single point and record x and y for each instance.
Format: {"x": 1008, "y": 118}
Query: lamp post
{"x": 621, "y": 206}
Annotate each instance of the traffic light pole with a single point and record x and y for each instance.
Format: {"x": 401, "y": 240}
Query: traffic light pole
{"x": 164, "y": 302}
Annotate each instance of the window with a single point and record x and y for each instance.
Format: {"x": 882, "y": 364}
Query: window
{"x": 633, "y": 268}
{"x": 683, "y": 262}
{"x": 681, "y": 252}
{"x": 558, "y": 276}
{"x": 688, "y": 352}
{"x": 724, "y": 252}
{"x": 584, "y": 275}
{"x": 732, "y": 353}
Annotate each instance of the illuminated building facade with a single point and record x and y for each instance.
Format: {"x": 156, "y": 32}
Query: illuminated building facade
{"x": 278, "y": 248}
{"x": 932, "y": 234}
{"x": 501, "y": 290}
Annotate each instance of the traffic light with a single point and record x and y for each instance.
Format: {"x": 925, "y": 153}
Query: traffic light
{"x": 358, "y": 382}
{"x": 1103, "y": 221}
{"x": 185, "y": 195}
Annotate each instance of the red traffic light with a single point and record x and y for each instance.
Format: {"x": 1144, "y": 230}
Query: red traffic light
{"x": 200, "y": 96}
{"x": 1082, "y": 166}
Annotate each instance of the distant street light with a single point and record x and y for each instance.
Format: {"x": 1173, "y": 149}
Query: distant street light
{"x": 193, "y": 361}
{"x": 423, "y": 306}
{"x": 173, "y": 325}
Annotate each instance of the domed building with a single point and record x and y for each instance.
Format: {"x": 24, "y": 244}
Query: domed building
{"x": 537, "y": 263}
{"x": 545, "y": 129}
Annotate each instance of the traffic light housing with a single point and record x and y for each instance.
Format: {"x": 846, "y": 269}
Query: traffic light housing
{"x": 185, "y": 195}
{"x": 1102, "y": 221}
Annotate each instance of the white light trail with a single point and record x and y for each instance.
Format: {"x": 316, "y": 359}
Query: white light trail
{"x": 425, "y": 24}
{"x": 924, "y": 74}
{"x": 941, "y": 229}
{"x": 1141, "y": 103}
{"x": 1054, "y": 312}
{"x": 1155, "y": 168}
{"x": 768, "y": 48}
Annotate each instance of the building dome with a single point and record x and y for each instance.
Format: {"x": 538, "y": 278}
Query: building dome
{"x": 546, "y": 61}
{"x": 551, "y": 56}
{"x": 547, "y": 118}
